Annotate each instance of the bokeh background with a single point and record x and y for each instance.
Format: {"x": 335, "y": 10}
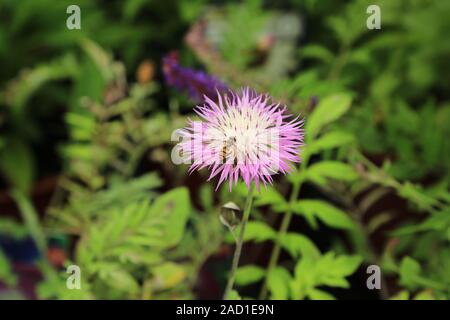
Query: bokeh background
{"x": 86, "y": 123}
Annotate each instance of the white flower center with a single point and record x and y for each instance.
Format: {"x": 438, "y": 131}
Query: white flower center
{"x": 242, "y": 136}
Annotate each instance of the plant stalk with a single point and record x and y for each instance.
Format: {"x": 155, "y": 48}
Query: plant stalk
{"x": 281, "y": 232}
{"x": 284, "y": 227}
{"x": 31, "y": 220}
{"x": 239, "y": 243}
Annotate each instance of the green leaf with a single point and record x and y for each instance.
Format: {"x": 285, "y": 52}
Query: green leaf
{"x": 174, "y": 206}
{"x": 346, "y": 265}
{"x": 30, "y": 81}
{"x": 278, "y": 283}
{"x": 135, "y": 255}
{"x": 120, "y": 279}
{"x": 438, "y": 221}
{"x": 82, "y": 126}
{"x": 297, "y": 176}
{"x": 233, "y": 295}
{"x": 271, "y": 197}
{"x": 6, "y": 274}
{"x": 317, "y": 52}
{"x": 331, "y": 270}
{"x": 319, "y": 172}
{"x": 329, "y": 140}
{"x": 415, "y": 194}
{"x": 410, "y": 276}
{"x": 12, "y": 228}
{"x": 409, "y": 272}
{"x": 258, "y": 231}
{"x": 424, "y": 295}
{"x": 207, "y": 196}
{"x": 17, "y": 164}
{"x": 168, "y": 275}
{"x": 401, "y": 295}
{"x": 316, "y": 294}
{"x": 328, "y": 270}
{"x": 299, "y": 245}
{"x": 136, "y": 233}
{"x": 103, "y": 60}
{"x": 120, "y": 194}
{"x": 249, "y": 274}
{"x": 54, "y": 287}
{"x": 328, "y": 110}
{"x": 328, "y": 214}
{"x": 304, "y": 278}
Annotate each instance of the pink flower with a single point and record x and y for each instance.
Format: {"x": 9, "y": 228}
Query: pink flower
{"x": 244, "y": 135}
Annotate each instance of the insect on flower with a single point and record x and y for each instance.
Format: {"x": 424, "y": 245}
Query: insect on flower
{"x": 243, "y": 135}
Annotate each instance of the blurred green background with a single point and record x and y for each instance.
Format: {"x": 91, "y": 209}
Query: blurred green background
{"x": 87, "y": 116}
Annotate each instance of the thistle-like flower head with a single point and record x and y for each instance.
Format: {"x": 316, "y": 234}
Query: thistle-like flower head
{"x": 243, "y": 135}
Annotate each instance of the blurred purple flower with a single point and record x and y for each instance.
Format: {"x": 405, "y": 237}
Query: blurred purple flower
{"x": 195, "y": 82}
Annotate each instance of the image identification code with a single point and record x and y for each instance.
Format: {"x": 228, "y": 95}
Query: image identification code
{"x": 248, "y": 309}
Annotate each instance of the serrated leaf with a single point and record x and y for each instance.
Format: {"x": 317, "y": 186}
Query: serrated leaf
{"x": 333, "y": 281}
{"x": 410, "y": 276}
{"x": 120, "y": 279}
{"x": 17, "y": 164}
{"x": 207, "y": 196}
{"x": 316, "y": 294}
{"x": 317, "y": 52}
{"x": 401, "y": 295}
{"x": 321, "y": 171}
{"x": 168, "y": 275}
{"x": 328, "y": 110}
{"x": 173, "y": 206}
{"x": 278, "y": 283}
{"x": 272, "y": 197}
{"x": 304, "y": 278}
{"x": 409, "y": 271}
{"x": 249, "y": 274}
{"x": 119, "y": 195}
{"x": 29, "y": 81}
{"x": 415, "y": 194}
{"x": 424, "y": 295}
{"x": 346, "y": 265}
{"x": 328, "y": 214}
{"x": 331, "y": 270}
{"x": 12, "y": 228}
{"x": 329, "y": 140}
{"x": 299, "y": 245}
{"x": 258, "y": 231}
{"x": 233, "y": 295}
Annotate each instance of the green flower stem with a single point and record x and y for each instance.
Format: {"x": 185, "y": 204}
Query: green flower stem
{"x": 284, "y": 227}
{"x": 277, "y": 247}
{"x": 31, "y": 220}
{"x": 239, "y": 243}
